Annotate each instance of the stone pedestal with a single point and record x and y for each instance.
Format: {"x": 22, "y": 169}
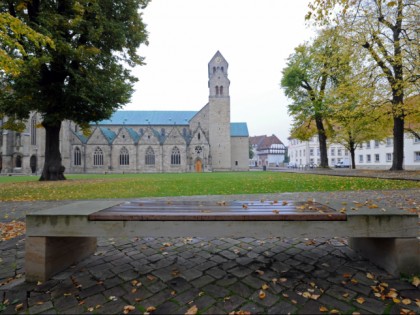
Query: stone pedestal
{"x": 395, "y": 255}
{"x": 45, "y": 256}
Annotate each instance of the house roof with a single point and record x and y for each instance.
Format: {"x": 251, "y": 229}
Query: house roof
{"x": 239, "y": 129}
{"x": 149, "y": 117}
{"x": 109, "y": 134}
{"x": 263, "y": 142}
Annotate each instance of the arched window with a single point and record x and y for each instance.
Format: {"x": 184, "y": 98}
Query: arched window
{"x": 198, "y": 136}
{"x": 33, "y": 130}
{"x": 18, "y": 161}
{"x": 221, "y": 90}
{"x": 150, "y": 156}
{"x": 124, "y": 157}
{"x": 214, "y": 69}
{"x": 98, "y": 157}
{"x": 217, "y": 90}
{"x": 175, "y": 156}
{"x": 77, "y": 156}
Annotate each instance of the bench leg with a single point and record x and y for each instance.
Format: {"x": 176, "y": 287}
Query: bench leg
{"x": 395, "y": 255}
{"x": 46, "y": 256}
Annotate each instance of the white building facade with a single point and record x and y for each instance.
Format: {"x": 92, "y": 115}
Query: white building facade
{"x": 372, "y": 154}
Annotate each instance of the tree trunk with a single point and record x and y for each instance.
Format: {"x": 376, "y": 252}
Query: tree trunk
{"x": 53, "y": 169}
{"x": 322, "y": 138}
{"x": 398, "y": 158}
{"x": 352, "y": 149}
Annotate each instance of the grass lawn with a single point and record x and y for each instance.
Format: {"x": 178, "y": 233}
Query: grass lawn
{"x": 28, "y": 188}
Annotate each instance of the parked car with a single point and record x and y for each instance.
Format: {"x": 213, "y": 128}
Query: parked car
{"x": 292, "y": 165}
{"x": 343, "y": 164}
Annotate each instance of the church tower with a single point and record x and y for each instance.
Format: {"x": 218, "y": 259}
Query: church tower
{"x": 219, "y": 113}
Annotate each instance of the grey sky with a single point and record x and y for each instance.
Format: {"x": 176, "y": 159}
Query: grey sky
{"x": 255, "y": 37}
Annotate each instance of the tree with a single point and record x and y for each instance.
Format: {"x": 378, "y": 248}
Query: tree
{"x": 85, "y": 77}
{"x": 388, "y": 31}
{"x": 311, "y": 72}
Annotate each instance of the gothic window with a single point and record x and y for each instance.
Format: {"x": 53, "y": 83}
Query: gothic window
{"x": 217, "y": 90}
{"x": 175, "y": 156}
{"x": 221, "y": 90}
{"x": 124, "y": 157}
{"x": 98, "y": 157}
{"x": 18, "y": 161}
{"x": 77, "y": 156}
{"x": 214, "y": 69}
{"x": 33, "y": 130}
{"x": 150, "y": 156}
{"x": 198, "y": 136}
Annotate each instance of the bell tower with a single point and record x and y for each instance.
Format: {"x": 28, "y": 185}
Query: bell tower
{"x": 219, "y": 113}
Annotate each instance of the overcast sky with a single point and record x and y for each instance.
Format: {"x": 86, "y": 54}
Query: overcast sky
{"x": 254, "y": 36}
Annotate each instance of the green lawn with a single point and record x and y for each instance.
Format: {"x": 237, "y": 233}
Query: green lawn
{"x": 27, "y": 188}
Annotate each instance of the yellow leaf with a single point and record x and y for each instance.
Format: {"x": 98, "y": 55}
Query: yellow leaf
{"x": 370, "y": 276}
{"x": 151, "y": 309}
{"x": 334, "y": 311}
{"x": 396, "y": 301}
{"x": 192, "y": 310}
{"x": 262, "y": 295}
{"x": 323, "y": 309}
{"x": 360, "y": 300}
{"x": 128, "y": 309}
{"x": 406, "y": 301}
{"x": 18, "y": 307}
{"x": 416, "y": 281}
{"x": 306, "y": 295}
{"x": 265, "y": 286}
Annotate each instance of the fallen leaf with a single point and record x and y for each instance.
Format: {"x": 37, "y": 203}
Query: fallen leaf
{"x": 345, "y": 295}
{"x": 151, "y": 309}
{"x": 406, "y": 301}
{"x": 416, "y": 281}
{"x": 128, "y": 309}
{"x": 265, "y": 286}
{"x": 192, "y": 310}
{"x": 323, "y": 309}
{"x": 151, "y": 278}
{"x": 360, "y": 300}
{"x": 306, "y": 295}
{"x": 260, "y": 272}
{"x": 370, "y": 276}
{"x": 262, "y": 295}
{"x": 18, "y": 307}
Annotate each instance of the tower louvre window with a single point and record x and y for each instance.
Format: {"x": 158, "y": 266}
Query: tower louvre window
{"x": 217, "y": 90}
{"x": 221, "y": 90}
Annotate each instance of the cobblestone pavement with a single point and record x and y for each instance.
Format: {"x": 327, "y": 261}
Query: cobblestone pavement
{"x": 215, "y": 275}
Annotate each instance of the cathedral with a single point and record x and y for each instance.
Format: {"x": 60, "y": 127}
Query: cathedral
{"x": 142, "y": 141}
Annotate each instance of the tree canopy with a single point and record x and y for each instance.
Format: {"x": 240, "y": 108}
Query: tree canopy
{"x": 82, "y": 76}
{"x": 388, "y": 31}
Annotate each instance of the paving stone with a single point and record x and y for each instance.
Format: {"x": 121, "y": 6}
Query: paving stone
{"x": 231, "y": 303}
{"x": 63, "y": 303}
{"x": 240, "y": 271}
{"x": 191, "y": 274}
{"x": 204, "y": 302}
{"x": 187, "y": 296}
{"x": 371, "y": 305}
{"x": 253, "y": 282}
{"x": 91, "y": 291}
{"x": 112, "y": 307}
{"x": 216, "y": 291}
{"x": 179, "y": 284}
{"x": 40, "y": 308}
{"x": 333, "y": 303}
{"x": 253, "y": 308}
{"x": 157, "y": 299}
{"x": 310, "y": 307}
{"x": 268, "y": 301}
{"x": 341, "y": 293}
{"x": 227, "y": 280}
{"x": 202, "y": 281}
{"x": 282, "y": 308}
{"x": 167, "y": 308}
{"x": 206, "y": 265}
{"x": 216, "y": 272}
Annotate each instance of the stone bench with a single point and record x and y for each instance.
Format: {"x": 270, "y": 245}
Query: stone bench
{"x": 57, "y": 238}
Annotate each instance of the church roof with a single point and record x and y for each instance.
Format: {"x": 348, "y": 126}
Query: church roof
{"x": 239, "y": 129}
{"x": 149, "y": 117}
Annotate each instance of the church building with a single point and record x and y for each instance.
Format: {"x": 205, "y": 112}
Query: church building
{"x": 142, "y": 141}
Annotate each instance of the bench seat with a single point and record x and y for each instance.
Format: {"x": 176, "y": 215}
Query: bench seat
{"x": 59, "y": 237}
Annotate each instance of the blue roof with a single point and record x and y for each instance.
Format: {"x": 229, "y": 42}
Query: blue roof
{"x": 109, "y": 134}
{"x": 239, "y": 129}
{"x": 149, "y": 117}
{"x": 134, "y": 135}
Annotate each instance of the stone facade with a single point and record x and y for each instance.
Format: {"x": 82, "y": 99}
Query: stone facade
{"x": 142, "y": 141}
